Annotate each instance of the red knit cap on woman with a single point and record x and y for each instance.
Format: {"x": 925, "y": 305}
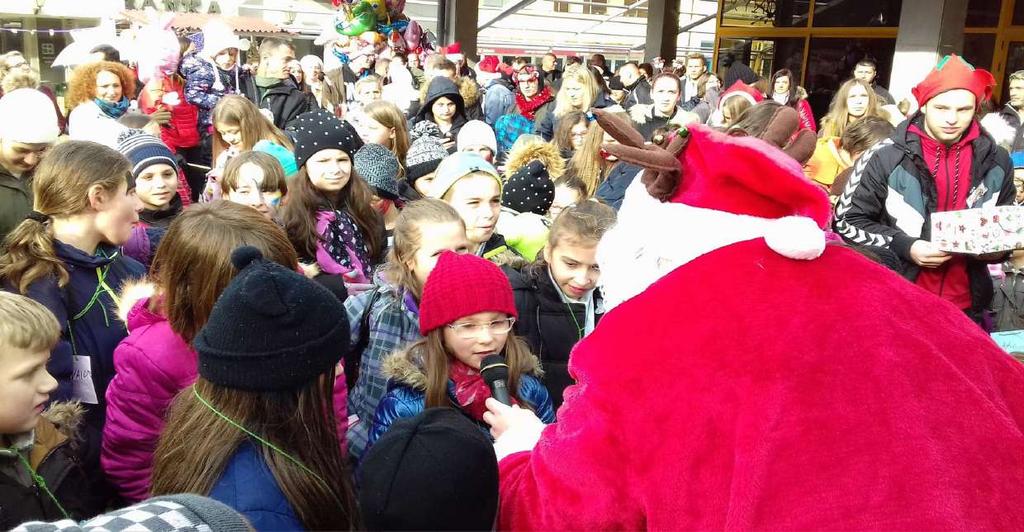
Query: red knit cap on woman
{"x": 460, "y": 286}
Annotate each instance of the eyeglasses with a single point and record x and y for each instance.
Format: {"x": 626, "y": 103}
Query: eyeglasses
{"x": 469, "y": 331}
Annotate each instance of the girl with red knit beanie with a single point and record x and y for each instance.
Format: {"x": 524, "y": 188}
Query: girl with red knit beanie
{"x": 466, "y": 313}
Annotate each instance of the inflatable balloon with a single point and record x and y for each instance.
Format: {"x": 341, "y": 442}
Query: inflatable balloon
{"x": 356, "y": 20}
{"x": 414, "y": 33}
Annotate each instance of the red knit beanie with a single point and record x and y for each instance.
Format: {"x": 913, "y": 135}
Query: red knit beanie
{"x": 460, "y": 286}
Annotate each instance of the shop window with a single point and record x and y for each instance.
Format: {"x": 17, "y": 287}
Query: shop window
{"x": 830, "y": 62}
{"x": 978, "y": 49}
{"x": 1018, "y": 13}
{"x": 771, "y": 13}
{"x": 863, "y": 13}
{"x": 765, "y": 55}
{"x": 983, "y": 13}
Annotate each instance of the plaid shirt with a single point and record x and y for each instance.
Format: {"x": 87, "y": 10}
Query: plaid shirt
{"x": 392, "y": 327}
{"x": 508, "y": 128}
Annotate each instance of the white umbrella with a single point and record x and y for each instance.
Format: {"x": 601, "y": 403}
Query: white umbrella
{"x": 86, "y": 39}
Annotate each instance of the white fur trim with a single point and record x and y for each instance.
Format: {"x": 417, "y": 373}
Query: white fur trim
{"x": 651, "y": 239}
{"x": 796, "y": 237}
{"x": 745, "y": 95}
{"x": 1001, "y": 130}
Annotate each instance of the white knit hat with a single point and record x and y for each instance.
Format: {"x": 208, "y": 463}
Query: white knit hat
{"x": 476, "y": 133}
{"x": 217, "y": 37}
{"x": 27, "y": 115}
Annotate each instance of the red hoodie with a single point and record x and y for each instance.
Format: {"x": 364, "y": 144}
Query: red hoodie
{"x": 951, "y": 170}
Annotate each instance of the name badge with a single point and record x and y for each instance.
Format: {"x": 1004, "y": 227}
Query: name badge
{"x": 82, "y": 386}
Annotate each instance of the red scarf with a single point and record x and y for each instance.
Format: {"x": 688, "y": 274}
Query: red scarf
{"x": 529, "y": 108}
{"x": 470, "y": 389}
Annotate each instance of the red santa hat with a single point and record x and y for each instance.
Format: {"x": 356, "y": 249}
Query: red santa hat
{"x": 951, "y": 73}
{"x": 742, "y": 90}
{"x": 454, "y": 52}
{"x": 489, "y": 64}
{"x": 738, "y": 188}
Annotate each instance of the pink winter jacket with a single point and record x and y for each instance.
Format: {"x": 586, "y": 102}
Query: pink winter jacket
{"x": 153, "y": 364}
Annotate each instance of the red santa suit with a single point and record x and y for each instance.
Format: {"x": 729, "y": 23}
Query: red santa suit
{"x": 751, "y": 378}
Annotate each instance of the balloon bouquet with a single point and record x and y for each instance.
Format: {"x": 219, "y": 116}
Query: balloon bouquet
{"x": 377, "y": 28}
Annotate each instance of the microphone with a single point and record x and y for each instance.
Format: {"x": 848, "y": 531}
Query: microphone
{"x": 494, "y": 370}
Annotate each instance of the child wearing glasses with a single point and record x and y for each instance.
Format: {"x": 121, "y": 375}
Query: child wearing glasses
{"x": 466, "y": 313}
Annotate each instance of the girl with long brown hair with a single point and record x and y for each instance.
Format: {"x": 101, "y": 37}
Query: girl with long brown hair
{"x": 327, "y": 214}
{"x": 238, "y": 126}
{"x": 67, "y": 255}
{"x": 257, "y": 431}
{"x": 386, "y": 317}
{"x": 381, "y": 122}
{"x": 461, "y": 328}
{"x": 854, "y": 100}
{"x": 156, "y": 361}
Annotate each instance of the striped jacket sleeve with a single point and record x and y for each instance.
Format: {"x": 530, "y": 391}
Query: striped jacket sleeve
{"x": 861, "y": 209}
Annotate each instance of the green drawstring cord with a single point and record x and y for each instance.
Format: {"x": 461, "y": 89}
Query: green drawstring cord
{"x": 276, "y": 449}
{"x": 41, "y": 483}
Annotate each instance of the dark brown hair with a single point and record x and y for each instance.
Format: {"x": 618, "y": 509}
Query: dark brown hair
{"x": 197, "y": 444}
{"x": 563, "y": 131}
{"x": 193, "y": 266}
{"x": 785, "y": 73}
{"x": 273, "y": 174}
{"x": 304, "y": 200}
{"x": 860, "y": 136}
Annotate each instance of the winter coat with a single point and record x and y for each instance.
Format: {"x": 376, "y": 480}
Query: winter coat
{"x": 88, "y": 122}
{"x": 147, "y": 234}
{"x": 545, "y": 152}
{"x": 499, "y": 252}
{"x": 1008, "y": 303}
{"x": 249, "y": 487}
{"x": 407, "y": 386}
{"x": 891, "y": 194}
{"x": 284, "y": 99}
{"x": 526, "y": 233}
{"x": 497, "y": 99}
{"x": 613, "y": 189}
{"x": 884, "y": 95}
{"x": 547, "y": 326}
{"x": 826, "y": 163}
{"x": 153, "y": 366}
{"x": 183, "y": 130}
{"x": 15, "y": 200}
{"x": 894, "y": 413}
{"x": 201, "y": 87}
{"x": 473, "y": 97}
{"x": 443, "y": 87}
{"x": 638, "y": 94}
{"x": 83, "y": 360}
{"x": 66, "y": 460}
{"x": 393, "y": 324}
{"x": 1012, "y": 118}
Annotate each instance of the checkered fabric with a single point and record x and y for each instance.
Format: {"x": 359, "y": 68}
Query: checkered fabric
{"x": 173, "y": 513}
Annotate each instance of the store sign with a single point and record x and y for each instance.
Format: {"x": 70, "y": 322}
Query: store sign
{"x": 179, "y": 6}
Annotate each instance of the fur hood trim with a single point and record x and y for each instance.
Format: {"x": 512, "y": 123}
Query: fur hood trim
{"x": 131, "y": 293}
{"x": 1001, "y": 130}
{"x": 469, "y": 90}
{"x": 544, "y": 152}
{"x": 66, "y": 417}
{"x": 406, "y": 367}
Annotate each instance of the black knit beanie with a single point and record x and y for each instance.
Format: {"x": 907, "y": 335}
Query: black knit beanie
{"x": 529, "y": 189}
{"x": 423, "y": 157}
{"x": 434, "y": 471}
{"x": 320, "y": 130}
{"x": 272, "y": 329}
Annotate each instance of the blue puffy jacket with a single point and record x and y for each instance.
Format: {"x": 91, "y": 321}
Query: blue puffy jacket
{"x": 406, "y": 396}
{"x": 249, "y": 487}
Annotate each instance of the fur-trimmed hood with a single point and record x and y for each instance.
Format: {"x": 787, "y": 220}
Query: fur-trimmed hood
{"x": 131, "y": 293}
{"x": 1001, "y": 130}
{"x": 544, "y": 152}
{"x": 406, "y": 367}
{"x": 469, "y": 90}
{"x": 59, "y": 423}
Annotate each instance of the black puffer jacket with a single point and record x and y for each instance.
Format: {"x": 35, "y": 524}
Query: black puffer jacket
{"x": 285, "y": 100}
{"x": 68, "y": 462}
{"x": 547, "y": 325}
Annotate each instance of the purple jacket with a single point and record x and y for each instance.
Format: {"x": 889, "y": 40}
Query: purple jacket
{"x": 153, "y": 365}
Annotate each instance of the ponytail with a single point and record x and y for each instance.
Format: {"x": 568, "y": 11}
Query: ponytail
{"x": 61, "y": 188}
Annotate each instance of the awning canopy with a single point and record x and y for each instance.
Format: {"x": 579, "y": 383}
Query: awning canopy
{"x": 196, "y": 21}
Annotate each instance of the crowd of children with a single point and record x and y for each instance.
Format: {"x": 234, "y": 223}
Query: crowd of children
{"x": 274, "y": 331}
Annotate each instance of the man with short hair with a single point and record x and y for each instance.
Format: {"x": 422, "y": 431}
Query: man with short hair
{"x": 696, "y": 66}
{"x": 867, "y": 71}
{"x": 28, "y": 127}
{"x": 1012, "y": 111}
{"x": 272, "y": 88}
{"x": 549, "y": 66}
{"x": 938, "y": 160}
{"x": 638, "y": 91}
{"x": 665, "y": 111}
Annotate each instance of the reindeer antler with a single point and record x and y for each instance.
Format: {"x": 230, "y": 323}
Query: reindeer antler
{"x": 662, "y": 171}
{"x": 783, "y": 131}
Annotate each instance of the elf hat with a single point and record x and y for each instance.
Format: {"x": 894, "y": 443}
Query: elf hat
{"x": 761, "y": 192}
{"x": 951, "y": 73}
{"x": 742, "y": 90}
{"x": 489, "y": 64}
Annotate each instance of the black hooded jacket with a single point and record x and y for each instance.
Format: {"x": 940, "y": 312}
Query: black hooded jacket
{"x": 442, "y": 87}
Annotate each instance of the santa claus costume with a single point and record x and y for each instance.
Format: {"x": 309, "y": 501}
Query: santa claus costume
{"x": 752, "y": 378}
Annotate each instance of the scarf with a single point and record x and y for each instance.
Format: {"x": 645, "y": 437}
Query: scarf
{"x": 470, "y": 389}
{"x": 115, "y": 110}
{"x": 343, "y": 250}
{"x": 529, "y": 108}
